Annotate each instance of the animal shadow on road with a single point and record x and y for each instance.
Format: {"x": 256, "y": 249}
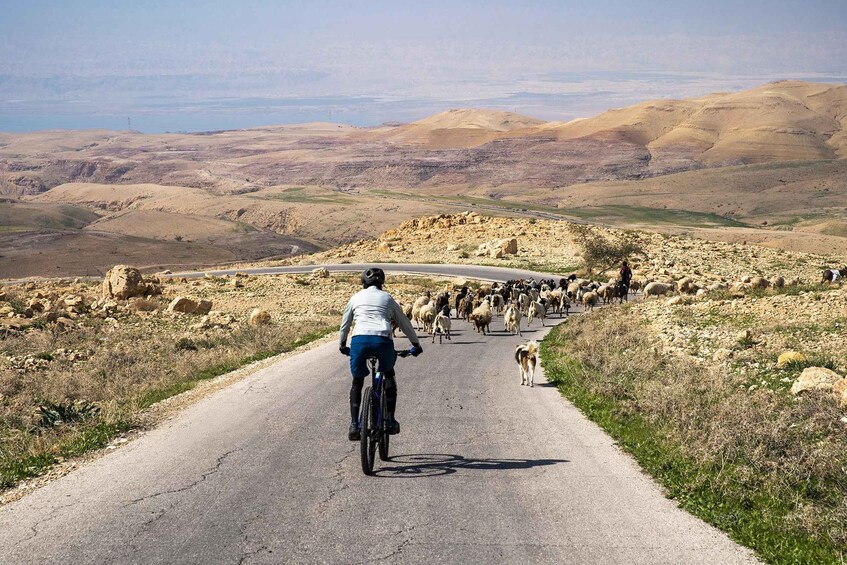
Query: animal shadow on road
{"x": 434, "y": 464}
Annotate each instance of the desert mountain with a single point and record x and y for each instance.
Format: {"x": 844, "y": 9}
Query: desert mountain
{"x": 457, "y": 128}
{"x": 787, "y": 120}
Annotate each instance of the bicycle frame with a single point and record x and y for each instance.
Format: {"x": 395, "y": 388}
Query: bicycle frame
{"x": 378, "y": 392}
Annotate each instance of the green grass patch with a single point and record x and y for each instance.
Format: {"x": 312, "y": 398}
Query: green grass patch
{"x": 305, "y": 195}
{"x": 23, "y": 216}
{"x": 615, "y": 214}
{"x": 82, "y": 441}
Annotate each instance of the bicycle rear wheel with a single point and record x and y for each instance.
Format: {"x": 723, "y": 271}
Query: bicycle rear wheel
{"x": 383, "y": 433}
{"x": 368, "y": 433}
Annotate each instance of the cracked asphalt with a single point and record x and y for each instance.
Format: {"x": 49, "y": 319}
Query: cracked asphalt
{"x": 484, "y": 471}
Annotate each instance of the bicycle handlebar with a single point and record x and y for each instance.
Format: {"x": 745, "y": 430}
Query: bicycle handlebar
{"x": 399, "y": 352}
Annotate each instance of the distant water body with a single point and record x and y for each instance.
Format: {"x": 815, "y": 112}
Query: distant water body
{"x": 581, "y": 95}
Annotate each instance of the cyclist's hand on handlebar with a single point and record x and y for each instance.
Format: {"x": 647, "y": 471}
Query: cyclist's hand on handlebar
{"x": 416, "y": 350}
{"x": 344, "y": 350}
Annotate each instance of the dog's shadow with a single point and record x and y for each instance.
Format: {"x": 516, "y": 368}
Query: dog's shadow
{"x": 546, "y": 385}
{"x": 434, "y": 464}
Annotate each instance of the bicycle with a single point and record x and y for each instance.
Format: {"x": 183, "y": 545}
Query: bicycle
{"x": 373, "y": 426}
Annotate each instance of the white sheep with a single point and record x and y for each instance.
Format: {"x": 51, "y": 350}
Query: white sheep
{"x": 427, "y": 316}
{"x": 589, "y": 300}
{"x": 512, "y": 319}
{"x": 536, "y": 310}
{"x": 416, "y": 310}
{"x": 441, "y": 326}
{"x": 657, "y": 289}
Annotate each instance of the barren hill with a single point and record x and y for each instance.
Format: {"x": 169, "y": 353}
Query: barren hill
{"x": 788, "y": 120}
{"x": 456, "y": 128}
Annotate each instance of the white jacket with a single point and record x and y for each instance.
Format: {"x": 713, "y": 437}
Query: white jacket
{"x": 373, "y": 310}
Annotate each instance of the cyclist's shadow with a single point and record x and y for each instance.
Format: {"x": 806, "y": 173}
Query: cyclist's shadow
{"x": 433, "y": 464}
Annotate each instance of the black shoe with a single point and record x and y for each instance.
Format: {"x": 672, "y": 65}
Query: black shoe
{"x": 392, "y": 425}
{"x": 353, "y": 432}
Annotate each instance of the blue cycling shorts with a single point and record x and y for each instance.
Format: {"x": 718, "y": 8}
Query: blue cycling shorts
{"x": 362, "y": 347}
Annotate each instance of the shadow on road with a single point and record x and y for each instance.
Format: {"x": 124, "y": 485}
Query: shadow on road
{"x": 433, "y": 464}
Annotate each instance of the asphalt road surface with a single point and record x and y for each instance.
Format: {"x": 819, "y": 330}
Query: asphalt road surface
{"x": 484, "y": 471}
{"x": 479, "y": 272}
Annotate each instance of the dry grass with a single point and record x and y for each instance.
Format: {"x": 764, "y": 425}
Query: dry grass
{"x": 121, "y": 374}
{"x": 767, "y": 467}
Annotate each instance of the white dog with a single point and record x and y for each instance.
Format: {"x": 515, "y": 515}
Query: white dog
{"x": 526, "y": 355}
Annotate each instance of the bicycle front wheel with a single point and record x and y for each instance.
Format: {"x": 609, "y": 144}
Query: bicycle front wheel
{"x": 369, "y": 433}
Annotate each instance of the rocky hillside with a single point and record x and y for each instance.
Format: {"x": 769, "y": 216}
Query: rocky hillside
{"x": 547, "y": 245}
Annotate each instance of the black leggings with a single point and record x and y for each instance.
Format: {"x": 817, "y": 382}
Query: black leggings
{"x": 356, "y": 396}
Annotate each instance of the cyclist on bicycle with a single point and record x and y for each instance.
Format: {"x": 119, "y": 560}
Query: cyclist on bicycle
{"x": 373, "y": 310}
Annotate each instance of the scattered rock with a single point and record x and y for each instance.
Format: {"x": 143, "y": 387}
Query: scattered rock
{"x": 184, "y": 305}
{"x": 815, "y": 378}
{"x": 759, "y": 282}
{"x": 722, "y": 354}
{"x": 123, "y": 281}
{"x": 320, "y": 273}
{"x": 788, "y": 357}
{"x": 137, "y": 304}
{"x": 744, "y": 336}
{"x": 497, "y": 248}
{"x": 203, "y": 307}
{"x": 259, "y": 317}
{"x": 17, "y": 324}
{"x": 674, "y": 301}
{"x": 840, "y": 388}
{"x": 64, "y": 324}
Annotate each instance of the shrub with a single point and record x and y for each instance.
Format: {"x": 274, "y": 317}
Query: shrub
{"x": 66, "y": 412}
{"x": 601, "y": 253}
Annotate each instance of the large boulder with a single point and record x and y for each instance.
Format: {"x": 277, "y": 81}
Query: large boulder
{"x": 184, "y": 305}
{"x": 320, "y": 273}
{"x": 123, "y": 282}
{"x": 497, "y": 248}
{"x": 788, "y": 357}
{"x": 815, "y": 378}
{"x": 509, "y": 246}
{"x": 259, "y": 317}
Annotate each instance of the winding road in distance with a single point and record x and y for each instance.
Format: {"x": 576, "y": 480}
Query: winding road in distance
{"x": 484, "y": 471}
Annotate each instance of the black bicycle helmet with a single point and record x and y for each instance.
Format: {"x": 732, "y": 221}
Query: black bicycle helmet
{"x": 373, "y": 277}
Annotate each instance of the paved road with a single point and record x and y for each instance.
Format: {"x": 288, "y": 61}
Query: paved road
{"x": 478, "y": 272}
{"x": 485, "y": 471}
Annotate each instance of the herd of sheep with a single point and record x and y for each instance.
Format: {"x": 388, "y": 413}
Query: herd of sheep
{"x": 514, "y": 300}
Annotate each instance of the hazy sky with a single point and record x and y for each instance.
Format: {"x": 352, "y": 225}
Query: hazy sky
{"x": 192, "y": 65}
